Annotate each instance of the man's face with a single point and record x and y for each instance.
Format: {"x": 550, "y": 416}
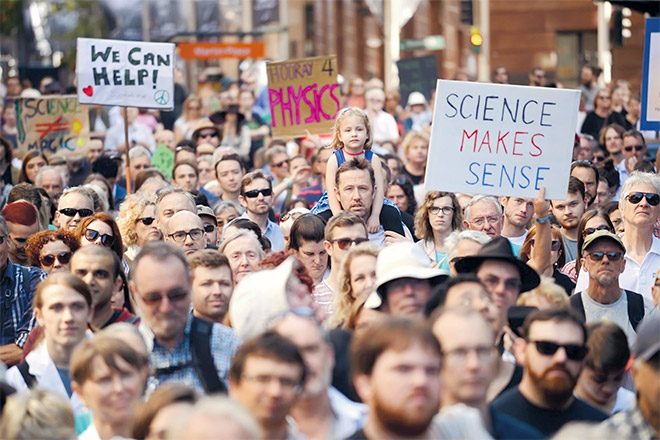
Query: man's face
{"x": 606, "y": 271}
{"x": 418, "y": 150}
{"x": 18, "y": 236}
{"x": 473, "y": 295}
{"x": 641, "y": 214}
{"x": 406, "y": 296}
{"x": 553, "y": 376}
{"x": 51, "y": 182}
{"x": 633, "y": 146}
{"x": 268, "y": 389}
{"x": 484, "y": 216}
{"x": 334, "y": 247}
{"x": 186, "y": 231}
{"x": 568, "y": 212}
{"x": 186, "y": 177}
{"x": 164, "y": 301}
{"x": 166, "y": 137}
{"x": 73, "y": 200}
{"x": 210, "y": 225}
{"x": 170, "y": 205}
{"x": 243, "y": 256}
{"x": 279, "y": 166}
{"x": 465, "y": 248}
{"x": 603, "y": 194}
{"x": 403, "y": 390}
{"x": 355, "y": 192}
{"x": 587, "y": 176}
{"x": 260, "y": 204}
{"x": 317, "y": 353}
{"x": 501, "y": 76}
{"x": 94, "y": 150}
{"x": 14, "y": 87}
{"x": 321, "y": 162}
{"x": 209, "y": 136}
{"x": 517, "y": 211}
{"x": 586, "y": 150}
{"x": 229, "y": 174}
{"x": 211, "y": 291}
{"x": 63, "y": 316}
{"x": 586, "y": 76}
{"x": 537, "y": 78}
{"x": 469, "y": 357}
{"x": 502, "y": 280}
{"x": 314, "y": 257}
{"x": 97, "y": 271}
{"x": 138, "y": 164}
{"x": 646, "y": 375}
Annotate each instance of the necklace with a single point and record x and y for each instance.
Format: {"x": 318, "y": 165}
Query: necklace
{"x": 351, "y": 154}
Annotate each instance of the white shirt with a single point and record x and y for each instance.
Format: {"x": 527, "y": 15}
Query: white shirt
{"x": 137, "y": 132}
{"x": 383, "y": 127}
{"x": 639, "y": 279}
{"x": 517, "y": 240}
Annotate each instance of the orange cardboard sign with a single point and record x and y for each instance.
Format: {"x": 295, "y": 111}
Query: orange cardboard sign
{"x": 214, "y": 51}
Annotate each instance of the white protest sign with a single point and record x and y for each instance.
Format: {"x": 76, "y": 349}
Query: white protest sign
{"x": 501, "y": 140}
{"x": 126, "y": 73}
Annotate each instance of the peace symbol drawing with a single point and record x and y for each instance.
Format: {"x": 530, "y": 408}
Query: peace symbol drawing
{"x": 162, "y": 97}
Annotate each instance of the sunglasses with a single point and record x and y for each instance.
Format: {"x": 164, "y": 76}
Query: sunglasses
{"x": 573, "y": 351}
{"x": 106, "y": 239}
{"x": 146, "y": 220}
{"x": 556, "y": 245}
{"x": 255, "y": 193}
{"x": 209, "y": 228}
{"x": 49, "y": 260}
{"x": 173, "y": 297}
{"x": 345, "y": 243}
{"x": 208, "y": 134}
{"x": 629, "y": 148}
{"x": 589, "y": 231}
{"x": 651, "y": 198}
{"x": 599, "y": 158}
{"x": 280, "y": 164}
{"x": 71, "y": 212}
{"x": 611, "y": 256}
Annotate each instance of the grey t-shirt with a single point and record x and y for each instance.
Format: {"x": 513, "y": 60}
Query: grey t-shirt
{"x": 570, "y": 247}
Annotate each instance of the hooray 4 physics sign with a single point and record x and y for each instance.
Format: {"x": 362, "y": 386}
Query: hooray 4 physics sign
{"x": 501, "y": 139}
{"x": 125, "y": 73}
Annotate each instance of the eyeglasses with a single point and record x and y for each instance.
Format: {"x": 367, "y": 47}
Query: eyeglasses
{"x": 180, "y": 236}
{"x": 106, "y": 239}
{"x": 458, "y": 356}
{"x": 573, "y": 351}
{"x": 280, "y": 164}
{"x": 629, "y": 148}
{"x": 493, "y": 220}
{"x": 209, "y": 227}
{"x": 173, "y": 297}
{"x": 71, "y": 212}
{"x": 345, "y": 243}
{"x": 556, "y": 245}
{"x": 651, "y": 198}
{"x": 446, "y": 210}
{"x": 287, "y": 383}
{"x": 146, "y": 220}
{"x": 589, "y": 231}
{"x": 611, "y": 256}
{"x": 49, "y": 260}
{"x": 255, "y": 193}
{"x": 511, "y": 284}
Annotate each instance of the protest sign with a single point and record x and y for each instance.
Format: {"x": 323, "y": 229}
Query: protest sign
{"x": 650, "y": 96}
{"x": 303, "y": 95}
{"x": 163, "y": 160}
{"x": 126, "y": 73}
{"x": 501, "y": 140}
{"x": 52, "y": 125}
{"x": 417, "y": 75}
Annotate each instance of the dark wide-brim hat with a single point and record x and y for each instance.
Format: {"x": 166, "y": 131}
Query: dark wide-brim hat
{"x": 499, "y": 248}
{"x": 220, "y": 117}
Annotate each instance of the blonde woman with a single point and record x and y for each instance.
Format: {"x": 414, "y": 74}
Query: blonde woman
{"x": 439, "y": 216}
{"x": 414, "y": 150}
{"x": 136, "y": 222}
{"x": 357, "y": 276}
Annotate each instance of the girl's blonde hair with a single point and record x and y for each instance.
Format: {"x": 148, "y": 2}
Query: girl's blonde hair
{"x": 344, "y": 113}
{"x": 343, "y": 300}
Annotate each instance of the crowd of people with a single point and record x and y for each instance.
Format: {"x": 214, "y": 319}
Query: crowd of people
{"x": 261, "y": 288}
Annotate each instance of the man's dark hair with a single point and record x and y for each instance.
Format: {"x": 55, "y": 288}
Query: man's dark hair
{"x": 634, "y": 133}
{"x": 355, "y": 164}
{"x": 586, "y": 164}
{"x": 554, "y": 314}
{"x": 575, "y": 186}
{"x": 231, "y": 156}
{"x": 101, "y": 251}
{"x": 608, "y": 348}
{"x": 269, "y": 345}
{"x": 25, "y": 191}
{"x": 307, "y": 227}
{"x": 107, "y": 167}
{"x": 391, "y": 333}
{"x": 609, "y": 173}
{"x": 439, "y": 292}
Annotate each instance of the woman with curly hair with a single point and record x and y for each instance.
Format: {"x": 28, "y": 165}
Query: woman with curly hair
{"x": 101, "y": 229}
{"x": 357, "y": 275}
{"x": 136, "y": 222}
{"x": 51, "y": 250}
{"x": 439, "y": 216}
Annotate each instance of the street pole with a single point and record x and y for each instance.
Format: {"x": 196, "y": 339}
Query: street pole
{"x": 603, "y": 36}
{"x": 391, "y": 35}
{"x": 483, "y": 60}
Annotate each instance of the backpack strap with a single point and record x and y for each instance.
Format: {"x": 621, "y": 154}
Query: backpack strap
{"x": 578, "y": 306}
{"x": 28, "y": 377}
{"x": 200, "y": 342}
{"x": 635, "y": 308}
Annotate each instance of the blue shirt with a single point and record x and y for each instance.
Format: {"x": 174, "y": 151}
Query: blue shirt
{"x": 273, "y": 232}
{"x": 176, "y": 365}
{"x": 17, "y": 290}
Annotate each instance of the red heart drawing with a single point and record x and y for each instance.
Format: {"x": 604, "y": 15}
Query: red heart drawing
{"x": 89, "y": 91}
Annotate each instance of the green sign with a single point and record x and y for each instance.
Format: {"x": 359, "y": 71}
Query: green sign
{"x": 432, "y": 42}
{"x": 163, "y": 159}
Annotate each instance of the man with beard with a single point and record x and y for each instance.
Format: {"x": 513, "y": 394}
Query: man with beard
{"x": 212, "y": 284}
{"x": 587, "y": 173}
{"x": 517, "y": 214}
{"x": 568, "y": 213}
{"x": 396, "y": 372}
{"x": 23, "y": 222}
{"x": 321, "y": 411}
{"x": 552, "y": 352}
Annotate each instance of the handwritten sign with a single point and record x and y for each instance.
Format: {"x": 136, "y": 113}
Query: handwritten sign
{"x": 650, "y": 96}
{"x": 303, "y": 95}
{"x": 51, "y": 125}
{"x": 501, "y": 140}
{"x": 126, "y": 73}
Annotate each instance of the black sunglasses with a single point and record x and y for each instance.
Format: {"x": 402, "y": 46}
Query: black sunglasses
{"x": 345, "y": 243}
{"x": 208, "y": 134}
{"x": 146, "y": 220}
{"x": 629, "y": 148}
{"x": 651, "y": 198}
{"x": 49, "y": 260}
{"x": 71, "y": 212}
{"x": 280, "y": 164}
{"x": 611, "y": 256}
{"x": 209, "y": 227}
{"x": 573, "y": 351}
{"x": 255, "y": 193}
{"x": 106, "y": 239}
{"x": 589, "y": 231}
